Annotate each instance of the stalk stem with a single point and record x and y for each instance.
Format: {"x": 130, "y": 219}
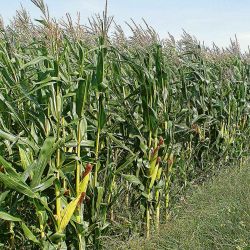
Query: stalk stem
{"x": 58, "y": 199}
{"x": 96, "y": 156}
{"x": 78, "y": 170}
{"x": 147, "y": 221}
{"x": 157, "y": 212}
{"x": 78, "y": 173}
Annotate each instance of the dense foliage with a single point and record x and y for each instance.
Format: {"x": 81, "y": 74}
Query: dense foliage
{"x": 96, "y": 130}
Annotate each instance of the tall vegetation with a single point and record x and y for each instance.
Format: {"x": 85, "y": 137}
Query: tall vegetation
{"x": 97, "y": 129}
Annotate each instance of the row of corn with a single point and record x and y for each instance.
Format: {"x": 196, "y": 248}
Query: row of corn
{"x": 98, "y": 135}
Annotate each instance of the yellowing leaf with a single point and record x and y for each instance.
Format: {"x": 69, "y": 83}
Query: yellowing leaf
{"x": 84, "y": 184}
{"x": 67, "y": 213}
{"x": 153, "y": 177}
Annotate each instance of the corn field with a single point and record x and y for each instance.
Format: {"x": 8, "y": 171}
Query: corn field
{"x": 99, "y": 132}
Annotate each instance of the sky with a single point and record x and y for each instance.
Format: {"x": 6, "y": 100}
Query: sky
{"x": 208, "y": 20}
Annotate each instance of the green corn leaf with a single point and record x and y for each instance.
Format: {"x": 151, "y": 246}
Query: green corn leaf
{"x": 17, "y": 184}
{"x": 17, "y": 116}
{"x": 82, "y": 127}
{"x": 40, "y": 85}
{"x": 35, "y": 61}
{"x": 8, "y": 167}
{"x": 100, "y": 192}
{"x": 48, "y": 148}
{"x": 8, "y": 217}
{"x": 28, "y": 172}
{"x": 84, "y": 143}
{"x": 43, "y": 186}
{"x": 7, "y": 136}
{"x": 119, "y": 143}
{"x": 101, "y": 113}
{"x": 100, "y": 69}
{"x": 19, "y": 140}
{"x": 25, "y": 159}
{"x": 126, "y": 164}
{"x": 28, "y": 233}
{"x": 81, "y": 96}
{"x": 57, "y": 238}
{"x": 3, "y": 196}
{"x": 132, "y": 179}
